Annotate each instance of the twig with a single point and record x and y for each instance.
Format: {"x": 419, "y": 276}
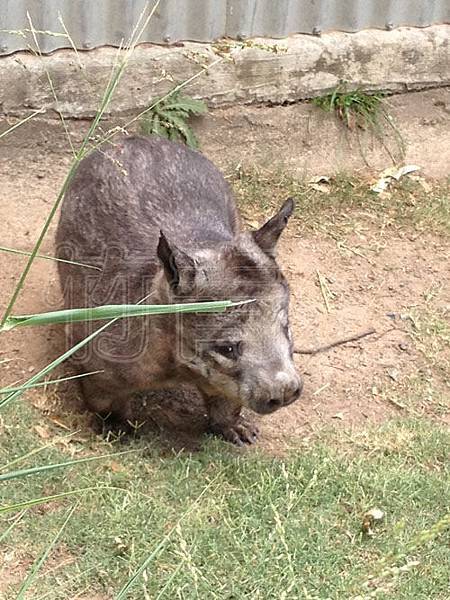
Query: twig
{"x": 396, "y": 403}
{"x": 324, "y": 290}
{"x": 352, "y": 338}
{"x": 322, "y": 387}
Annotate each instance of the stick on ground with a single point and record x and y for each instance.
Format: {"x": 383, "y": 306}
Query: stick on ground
{"x": 346, "y": 340}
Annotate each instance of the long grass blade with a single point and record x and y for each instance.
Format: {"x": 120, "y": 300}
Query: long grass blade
{"x": 38, "y": 563}
{"x": 60, "y": 359}
{"x": 71, "y": 42}
{"x": 23, "y": 32}
{"x": 114, "y": 311}
{"x": 38, "y": 53}
{"x": 9, "y": 390}
{"x": 39, "y": 111}
{"x": 36, "y": 451}
{"x": 70, "y": 262}
{"x": 8, "y": 530}
{"x": 38, "y": 376}
{"x": 44, "y": 499}
{"x": 44, "y": 468}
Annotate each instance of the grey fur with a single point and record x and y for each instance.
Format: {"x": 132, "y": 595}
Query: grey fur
{"x": 160, "y": 221}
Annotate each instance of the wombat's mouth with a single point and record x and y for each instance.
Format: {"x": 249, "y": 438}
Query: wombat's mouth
{"x": 270, "y": 406}
{"x": 266, "y": 407}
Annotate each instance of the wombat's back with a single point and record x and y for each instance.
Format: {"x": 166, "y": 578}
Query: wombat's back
{"x": 125, "y": 193}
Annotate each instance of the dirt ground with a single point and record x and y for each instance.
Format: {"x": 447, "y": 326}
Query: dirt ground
{"x": 342, "y": 386}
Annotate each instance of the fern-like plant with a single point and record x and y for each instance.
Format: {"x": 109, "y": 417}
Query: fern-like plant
{"x": 169, "y": 118}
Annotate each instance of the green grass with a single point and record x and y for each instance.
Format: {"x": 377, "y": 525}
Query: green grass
{"x": 264, "y": 527}
{"x": 360, "y": 110}
{"x": 430, "y": 329}
{"x": 421, "y": 394}
{"x": 427, "y": 392}
{"x": 355, "y": 107}
{"x": 345, "y": 203}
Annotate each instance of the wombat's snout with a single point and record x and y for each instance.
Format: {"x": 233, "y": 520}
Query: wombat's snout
{"x": 287, "y": 394}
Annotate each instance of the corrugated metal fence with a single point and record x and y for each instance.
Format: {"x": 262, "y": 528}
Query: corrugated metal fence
{"x": 93, "y": 23}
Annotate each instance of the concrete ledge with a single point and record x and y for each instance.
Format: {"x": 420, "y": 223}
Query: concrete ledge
{"x": 307, "y": 66}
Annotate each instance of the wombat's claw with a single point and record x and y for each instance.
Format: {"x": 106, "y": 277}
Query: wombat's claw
{"x": 114, "y": 429}
{"x": 240, "y": 433}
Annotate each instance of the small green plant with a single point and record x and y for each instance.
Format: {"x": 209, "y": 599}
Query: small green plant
{"x": 355, "y": 108}
{"x": 169, "y": 118}
{"x": 358, "y": 109}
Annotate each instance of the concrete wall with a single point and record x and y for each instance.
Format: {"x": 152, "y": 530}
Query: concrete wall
{"x": 272, "y": 71}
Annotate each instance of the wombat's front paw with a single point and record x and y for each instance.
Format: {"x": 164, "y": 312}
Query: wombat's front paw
{"x": 240, "y": 433}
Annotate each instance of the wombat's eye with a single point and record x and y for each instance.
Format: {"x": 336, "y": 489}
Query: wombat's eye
{"x": 228, "y": 349}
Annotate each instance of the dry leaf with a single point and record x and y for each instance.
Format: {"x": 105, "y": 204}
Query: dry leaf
{"x": 43, "y": 432}
{"x": 370, "y": 518}
{"x": 405, "y": 170}
{"x": 388, "y": 175}
{"x": 381, "y": 185}
{"x": 393, "y": 374}
{"x": 319, "y": 187}
{"x": 115, "y": 467}
{"x": 59, "y": 423}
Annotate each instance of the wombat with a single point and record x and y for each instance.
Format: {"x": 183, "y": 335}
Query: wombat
{"x": 158, "y": 222}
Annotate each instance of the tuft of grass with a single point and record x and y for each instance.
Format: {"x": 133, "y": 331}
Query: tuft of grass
{"x": 220, "y": 524}
{"x": 354, "y": 108}
{"x": 170, "y": 115}
{"x": 361, "y": 110}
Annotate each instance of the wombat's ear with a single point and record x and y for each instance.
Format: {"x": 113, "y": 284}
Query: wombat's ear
{"x": 178, "y": 266}
{"x": 267, "y": 236}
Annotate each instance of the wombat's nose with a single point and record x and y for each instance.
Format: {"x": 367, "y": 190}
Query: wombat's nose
{"x": 294, "y": 393}
{"x": 290, "y": 393}
{"x": 275, "y": 403}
